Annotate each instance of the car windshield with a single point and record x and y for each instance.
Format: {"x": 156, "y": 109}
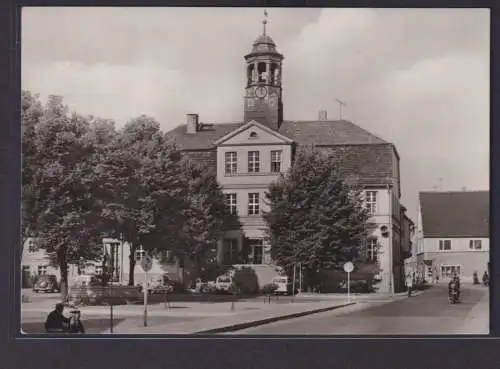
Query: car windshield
{"x": 224, "y": 279}
{"x": 280, "y": 280}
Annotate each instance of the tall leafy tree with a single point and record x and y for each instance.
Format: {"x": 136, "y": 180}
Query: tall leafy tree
{"x": 206, "y": 217}
{"x": 31, "y": 114}
{"x": 316, "y": 218}
{"x": 141, "y": 178}
{"x": 66, "y": 216}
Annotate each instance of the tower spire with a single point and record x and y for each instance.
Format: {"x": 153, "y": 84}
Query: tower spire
{"x": 264, "y": 22}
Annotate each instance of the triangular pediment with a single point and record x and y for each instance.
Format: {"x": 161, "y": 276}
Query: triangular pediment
{"x": 253, "y": 133}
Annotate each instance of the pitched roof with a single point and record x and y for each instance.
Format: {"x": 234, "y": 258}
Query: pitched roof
{"x": 367, "y": 164}
{"x": 330, "y": 132}
{"x": 455, "y": 214}
{"x": 203, "y": 139}
{"x": 323, "y": 133}
{"x": 360, "y": 155}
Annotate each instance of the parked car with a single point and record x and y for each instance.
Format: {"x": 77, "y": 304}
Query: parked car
{"x": 46, "y": 283}
{"x": 204, "y": 286}
{"x": 163, "y": 284}
{"x": 282, "y": 285}
{"x": 223, "y": 283}
{"x": 285, "y": 285}
{"x": 86, "y": 280}
{"x": 175, "y": 286}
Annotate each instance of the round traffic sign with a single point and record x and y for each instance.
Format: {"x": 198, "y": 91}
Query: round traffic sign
{"x": 348, "y": 267}
{"x": 146, "y": 263}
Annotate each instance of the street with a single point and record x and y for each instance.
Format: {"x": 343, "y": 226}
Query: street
{"x": 429, "y": 313}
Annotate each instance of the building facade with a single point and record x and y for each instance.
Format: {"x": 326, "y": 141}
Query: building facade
{"x": 452, "y": 235}
{"x": 248, "y": 155}
{"x": 36, "y": 262}
{"x": 118, "y": 255}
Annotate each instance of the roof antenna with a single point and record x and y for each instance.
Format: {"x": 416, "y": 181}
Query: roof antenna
{"x": 264, "y": 22}
{"x": 341, "y": 108}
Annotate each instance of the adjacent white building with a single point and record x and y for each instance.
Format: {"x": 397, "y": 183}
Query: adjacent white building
{"x": 453, "y": 235}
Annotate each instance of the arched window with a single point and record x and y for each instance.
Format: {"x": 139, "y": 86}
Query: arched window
{"x": 274, "y": 68}
{"x": 262, "y": 70}
{"x": 250, "y": 73}
{"x": 276, "y": 75}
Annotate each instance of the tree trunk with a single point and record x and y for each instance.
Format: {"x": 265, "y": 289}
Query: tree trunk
{"x": 195, "y": 270}
{"x": 131, "y": 259}
{"x": 63, "y": 266}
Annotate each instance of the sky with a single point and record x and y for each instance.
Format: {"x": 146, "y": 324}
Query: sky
{"x": 418, "y": 78}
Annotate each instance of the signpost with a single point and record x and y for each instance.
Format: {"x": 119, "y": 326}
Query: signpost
{"x": 146, "y": 265}
{"x": 300, "y": 277}
{"x": 348, "y": 268}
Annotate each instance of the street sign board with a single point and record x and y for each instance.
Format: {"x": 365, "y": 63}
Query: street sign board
{"x": 348, "y": 267}
{"x": 146, "y": 263}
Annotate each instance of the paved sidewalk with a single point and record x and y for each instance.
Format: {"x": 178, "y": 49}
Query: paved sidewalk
{"x": 244, "y": 315}
{"x": 477, "y": 321}
{"x": 176, "y": 309}
{"x": 365, "y": 297}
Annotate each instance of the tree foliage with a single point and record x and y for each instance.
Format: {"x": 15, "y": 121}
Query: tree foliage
{"x": 83, "y": 181}
{"x": 316, "y": 218}
{"x": 64, "y": 215}
{"x": 31, "y": 114}
{"x": 140, "y": 179}
{"x": 207, "y": 217}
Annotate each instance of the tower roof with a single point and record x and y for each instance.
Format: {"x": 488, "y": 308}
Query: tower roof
{"x": 264, "y": 44}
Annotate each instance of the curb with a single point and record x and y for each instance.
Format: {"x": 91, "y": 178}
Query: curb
{"x": 256, "y": 323}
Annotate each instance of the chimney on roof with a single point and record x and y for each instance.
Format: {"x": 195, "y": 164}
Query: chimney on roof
{"x": 464, "y": 188}
{"x": 322, "y": 115}
{"x": 192, "y": 124}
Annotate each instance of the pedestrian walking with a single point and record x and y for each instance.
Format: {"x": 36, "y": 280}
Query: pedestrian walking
{"x": 409, "y": 283}
{"x": 486, "y": 278}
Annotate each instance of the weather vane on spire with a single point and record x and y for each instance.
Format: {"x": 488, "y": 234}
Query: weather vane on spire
{"x": 264, "y": 22}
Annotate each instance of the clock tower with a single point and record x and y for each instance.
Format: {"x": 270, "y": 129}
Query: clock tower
{"x": 263, "y": 98}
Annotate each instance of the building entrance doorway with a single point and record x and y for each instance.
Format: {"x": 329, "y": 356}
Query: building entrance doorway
{"x": 448, "y": 271}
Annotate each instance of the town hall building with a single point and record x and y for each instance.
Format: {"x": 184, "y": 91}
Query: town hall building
{"x": 250, "y": 154}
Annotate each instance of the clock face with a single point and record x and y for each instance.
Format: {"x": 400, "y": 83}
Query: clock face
{"x": 260, "y": 92}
